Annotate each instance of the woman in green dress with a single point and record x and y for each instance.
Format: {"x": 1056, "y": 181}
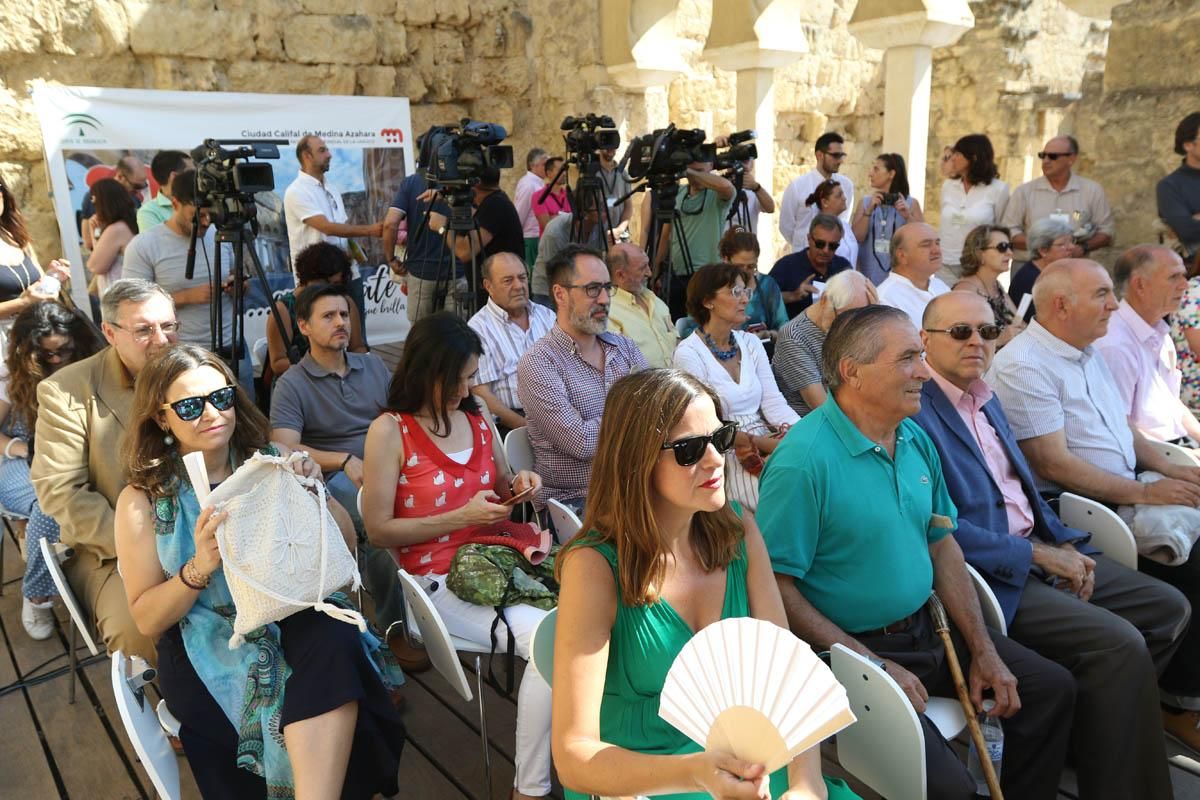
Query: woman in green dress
{"x": 664, "y": 556}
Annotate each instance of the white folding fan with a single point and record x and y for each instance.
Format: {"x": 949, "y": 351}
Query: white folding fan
{"x": 752, "y": 689}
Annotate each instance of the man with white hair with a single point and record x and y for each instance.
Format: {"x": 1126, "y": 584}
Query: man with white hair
{"x": 636, "y": 311}
{"x": 1070, "y": 422}
{"x": 797, "y": 363}
{"x": 1151, "y": 281}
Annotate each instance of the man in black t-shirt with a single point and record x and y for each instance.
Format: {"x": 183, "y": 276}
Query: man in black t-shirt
{"x": 499, "y": 228}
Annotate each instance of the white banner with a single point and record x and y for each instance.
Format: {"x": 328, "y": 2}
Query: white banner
{"x": 87, "y": 130}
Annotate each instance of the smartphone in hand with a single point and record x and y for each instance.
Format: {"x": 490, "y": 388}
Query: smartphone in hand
{"x": 520, "y": 497}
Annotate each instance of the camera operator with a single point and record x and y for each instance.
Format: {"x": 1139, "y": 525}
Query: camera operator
{"x": 758, "y": 199}
{"x": 160, "y": 255}
{"x": 703, "y": 203}
{"x": 499, "y": 226}
{"x": 616, "y": 185}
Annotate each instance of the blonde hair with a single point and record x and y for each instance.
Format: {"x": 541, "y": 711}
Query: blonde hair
{"x": 619, "y": 507}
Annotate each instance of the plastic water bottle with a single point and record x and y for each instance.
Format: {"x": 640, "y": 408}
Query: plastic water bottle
{"x": 993, "y": 739}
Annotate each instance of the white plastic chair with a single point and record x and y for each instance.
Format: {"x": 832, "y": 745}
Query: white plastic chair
{"x": 993, "y": 614}
{"x": 1179, "y": 456}
{"x": 78, "y": 621}
{"x": 1109, "y": 532}
{"x": 885, "y": 748}
{"x": 518, "y": 450}
{"x": 443, "y": 654}
{"x": 566, "y": 522}
{"x": 541, "y": 647}
{"x": 142, "y": 726}
{"x": 681, "y": 325}
{"x": 7, "y": 517}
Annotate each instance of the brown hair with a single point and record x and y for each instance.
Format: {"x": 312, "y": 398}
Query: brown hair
{"x": 25, "y": 366}
{"x": 148, "y": 462}
{"x": 12, "y": 224}
{"x": 113, "y": 204}
{"x": 704, "y": 285}
{"x": 630, "y": 444}
{"x": 738, "y": 240}
{"x": 976, "y": 242}
{"x": 822, "y": 193}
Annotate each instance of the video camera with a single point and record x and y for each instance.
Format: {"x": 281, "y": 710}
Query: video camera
{"x": 453, "y": 158}
{"x": 665, "y": 154}
{"x": 740, "y": 148}
{"x": 585, "y": 135}
{"x": 226, "y": 183}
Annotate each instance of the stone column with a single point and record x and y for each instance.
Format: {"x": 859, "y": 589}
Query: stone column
{"x": 756, "y": 109}
{"x": 908, "y": 33}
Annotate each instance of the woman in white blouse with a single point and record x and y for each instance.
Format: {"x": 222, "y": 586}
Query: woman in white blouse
{"x": 973, "y": 195}
{"x": 735, "y": 365}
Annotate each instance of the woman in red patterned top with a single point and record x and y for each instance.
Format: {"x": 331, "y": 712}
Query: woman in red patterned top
{"x": 434, "y": 473}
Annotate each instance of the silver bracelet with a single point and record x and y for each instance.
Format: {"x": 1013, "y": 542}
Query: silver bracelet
{"x": 8, "y": 447}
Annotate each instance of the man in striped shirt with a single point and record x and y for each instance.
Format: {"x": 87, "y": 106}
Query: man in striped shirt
{"x": 563, "y": 380}
{"x": 508, "y": 324}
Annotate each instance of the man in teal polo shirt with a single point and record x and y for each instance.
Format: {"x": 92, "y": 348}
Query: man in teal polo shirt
{"x": 165, "y": 165}
{"x": 856, "y": 517}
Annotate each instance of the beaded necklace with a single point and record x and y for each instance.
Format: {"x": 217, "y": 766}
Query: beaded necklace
{"x": 715, "y": 349}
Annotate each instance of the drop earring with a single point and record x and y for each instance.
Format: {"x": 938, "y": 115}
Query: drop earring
{"x": 169, "y": 440}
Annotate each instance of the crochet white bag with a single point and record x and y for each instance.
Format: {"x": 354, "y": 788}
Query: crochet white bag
{"x": 281, "y": 550}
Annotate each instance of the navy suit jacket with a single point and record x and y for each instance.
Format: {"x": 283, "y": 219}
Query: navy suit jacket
{"x": 1003, "y": 559}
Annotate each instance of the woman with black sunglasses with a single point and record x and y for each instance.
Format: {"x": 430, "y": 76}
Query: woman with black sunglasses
{"x": 45, "y": 337}
{"x": 299, "y": 708}
{"x": 646, "y": 573}
{"x": 987, "y": 254}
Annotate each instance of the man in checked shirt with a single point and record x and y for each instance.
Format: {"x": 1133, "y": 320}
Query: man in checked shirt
{"x": 564, "y": 377}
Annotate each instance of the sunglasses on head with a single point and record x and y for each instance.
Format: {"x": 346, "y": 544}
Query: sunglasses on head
{"x": 963, "y": 332}
{"x": 690, "y": 450}
{"x": 821, "y": 244}
{"x": 1002, "y": 247}
{"x": 190, "y": 408}
{"x": 1053, "y": 156}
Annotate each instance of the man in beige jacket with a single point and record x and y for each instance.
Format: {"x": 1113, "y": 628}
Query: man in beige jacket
{"x": 83, "y": 412}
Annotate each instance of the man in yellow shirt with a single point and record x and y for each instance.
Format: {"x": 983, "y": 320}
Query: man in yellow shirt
{"x": 637, "y": 312}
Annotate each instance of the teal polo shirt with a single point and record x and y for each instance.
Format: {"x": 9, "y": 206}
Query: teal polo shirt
{"x": 153, "y": 212}
{"x": 849, "y": 523}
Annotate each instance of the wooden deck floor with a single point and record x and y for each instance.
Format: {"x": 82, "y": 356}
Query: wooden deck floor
{"x": 51, "y": 749}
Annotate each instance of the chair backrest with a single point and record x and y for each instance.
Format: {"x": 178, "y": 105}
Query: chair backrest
{"x": 145, "y": 732}
{"x": 1180, "y": 456}
{"x": 885, "y": 748}
{"x": 435, "y": 636}
{"x": 1109, "y": 532}
{"x": 358, "y": 502}
{"x": 68, "y": 597}
{"x": 566, "y": 522}
{"x": 541, "y": 646}
{"x": 681, "y": 326}
{"x": 518, "y": 450}
{"x": 993, "y": 614}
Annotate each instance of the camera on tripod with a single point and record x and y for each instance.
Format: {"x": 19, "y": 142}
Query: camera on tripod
{"x": 585, "y": 135}
{"x": 666, "y": 153}
{"x": 741, "y": 148}
{"x": 455, "y": 157}
{"x": 226, "y": 182}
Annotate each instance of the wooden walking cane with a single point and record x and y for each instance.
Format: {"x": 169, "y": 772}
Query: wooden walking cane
{"x": 942, "y": 625}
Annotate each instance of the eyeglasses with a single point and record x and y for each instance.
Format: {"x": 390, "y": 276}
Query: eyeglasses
{"x": 63, "y": 353}
{"x": 838, "y": 156}
{"x": 592, "y": 290}
{"x": 738, "y": 292}
{"x": 142, "y": 333}
{"x": 190, "y": 408}
{"x": 1053, "y": 156}
{"x": 1002, "y": 247}
{"x": 962, "y": 332}
{"x": 690, "y": 450}
{"x": 821, "y": 244}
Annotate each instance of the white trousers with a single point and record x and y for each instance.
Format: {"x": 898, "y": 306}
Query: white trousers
{"x": 474, "y": 623}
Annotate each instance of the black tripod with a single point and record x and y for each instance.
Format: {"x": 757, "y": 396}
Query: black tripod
{"x": 589, "y": 193}
{"x": 739, "y": 211}
{"x": 665, "y": 211}
{"x": 462, "y": 222}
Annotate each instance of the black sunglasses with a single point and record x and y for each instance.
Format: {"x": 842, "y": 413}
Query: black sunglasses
{"x": 1053, "y": 156}
{"x": 690, "y": 450}
{"x": 1002, "y": 247}
{"x": 963, "y": 332}
{"x": 821, "y": 244}
{"x": 190, "y": 408}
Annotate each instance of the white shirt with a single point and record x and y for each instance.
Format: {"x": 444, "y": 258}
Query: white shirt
{"x": 755, "y": 392}
{"x": 795, "y": 217}
{"x": 529, "y": 185}
{"x": 899, "y": 292}
{"x": 962, "y": 210}
{"x": 307, "y": 197}
{"x": 1046, "y": 385}
{"x": 504, "y": 342}
{"x": 1142, "y": 360}
{"x": 848, "y": 249}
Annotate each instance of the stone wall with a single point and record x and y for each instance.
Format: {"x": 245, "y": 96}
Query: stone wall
{"x": 526, "y": 63}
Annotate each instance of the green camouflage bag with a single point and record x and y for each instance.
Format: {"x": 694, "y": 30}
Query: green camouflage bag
{"x": 498, "y": 576}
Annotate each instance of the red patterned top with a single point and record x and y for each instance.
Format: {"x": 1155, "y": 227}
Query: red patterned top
{"x": 433, "y": 483}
